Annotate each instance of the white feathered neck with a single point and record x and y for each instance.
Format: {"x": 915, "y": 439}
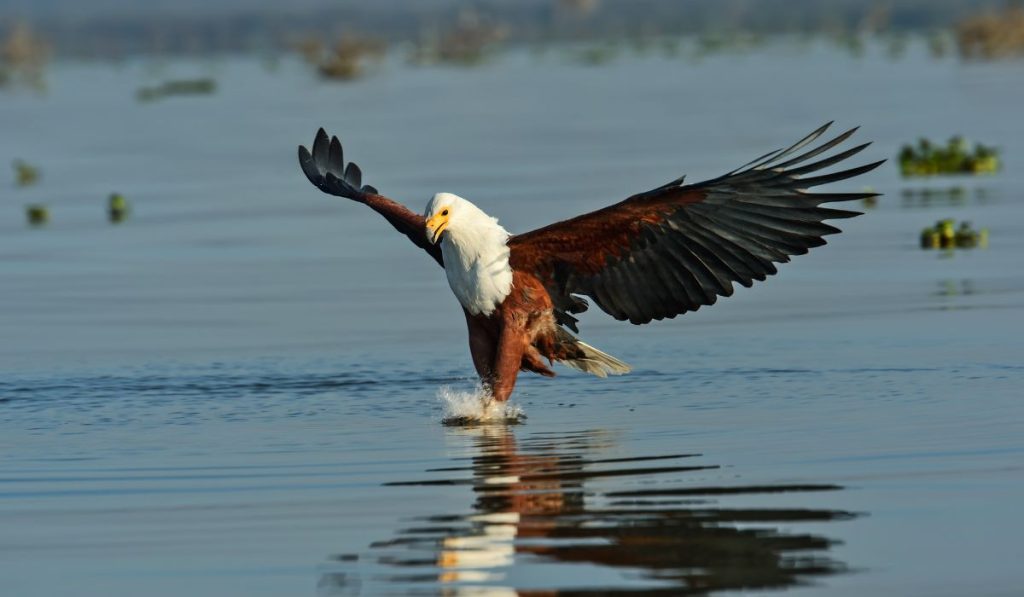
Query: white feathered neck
{"x": 475, "y": 250}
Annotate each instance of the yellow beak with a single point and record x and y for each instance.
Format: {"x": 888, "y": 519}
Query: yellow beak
{"x": 435, "y": 226}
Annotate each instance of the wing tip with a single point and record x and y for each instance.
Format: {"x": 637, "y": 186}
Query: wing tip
{"x": 874, "y": 165}
{"x": 309, "y": 168}
{"x": 324, "y": 166}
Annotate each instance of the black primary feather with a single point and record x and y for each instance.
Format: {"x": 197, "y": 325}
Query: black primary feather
{"x": 729, "y": 230}
{"x": 325, "y": 167}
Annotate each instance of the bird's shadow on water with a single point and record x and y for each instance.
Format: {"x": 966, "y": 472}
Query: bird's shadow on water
{"x": 543, "y": 501}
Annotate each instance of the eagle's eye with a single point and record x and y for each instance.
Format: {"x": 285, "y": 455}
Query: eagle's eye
{"x": 444, "y": 213}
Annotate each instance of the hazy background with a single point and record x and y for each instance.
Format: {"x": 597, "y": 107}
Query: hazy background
{"x": 236, "y": 385}
{"x": 129, "y": 26}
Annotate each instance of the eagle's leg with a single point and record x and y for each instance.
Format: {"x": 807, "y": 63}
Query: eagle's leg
{"x": 483, "y": 345}
{"x": 513, "y": 341}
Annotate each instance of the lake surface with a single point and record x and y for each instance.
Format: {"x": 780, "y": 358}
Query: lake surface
{"x": 237, "y": 390}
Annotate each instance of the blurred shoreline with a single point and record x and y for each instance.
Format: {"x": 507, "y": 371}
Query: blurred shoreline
{"x": 117, "y": 29}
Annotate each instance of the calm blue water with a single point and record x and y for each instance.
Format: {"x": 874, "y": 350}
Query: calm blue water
{"x": 236, "y": 391}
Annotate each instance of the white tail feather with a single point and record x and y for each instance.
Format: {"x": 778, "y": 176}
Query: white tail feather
{"x": 596, "y": 362}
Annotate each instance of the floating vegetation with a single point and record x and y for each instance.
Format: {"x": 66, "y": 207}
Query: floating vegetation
{"x": 23, "y": 58}
{"x": 471, "y": 41}
{"x": 37, "y": 214}
{"x": 345, "y": 61}
{"x": 597, "y": 54}
{"x": 201, "y": 86}
{"x": 946, "y": 235}
{"x": 956, "y": 157}
{"x": 348, "y": 58}
{"x": 992, "y": 35}
{"x": 117, "y": 208}
{"x": 25, "y": 174}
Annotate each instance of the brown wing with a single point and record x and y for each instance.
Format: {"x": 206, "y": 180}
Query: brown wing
{"x": 325, "y": 168}
{"x": 678, "y": 247}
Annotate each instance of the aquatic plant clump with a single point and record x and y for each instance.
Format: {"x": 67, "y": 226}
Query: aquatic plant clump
{"x": 25, "y": 174}
{"x": 946, "y": 235}
{"x": 347, "y": 59}
{"x": 992, "y": 35}
{"x": 956, "y": 157}
{"x": 37, "y": 214}
{"x": 203, "y": 86}
{"x": 117, "y": 208}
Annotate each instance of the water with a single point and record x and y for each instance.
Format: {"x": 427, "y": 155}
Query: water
{"x": 238, "y": 390}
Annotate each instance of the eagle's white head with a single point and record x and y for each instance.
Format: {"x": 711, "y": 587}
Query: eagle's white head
{"x": 449, "y": 212}
{"x": 475, "y": 252}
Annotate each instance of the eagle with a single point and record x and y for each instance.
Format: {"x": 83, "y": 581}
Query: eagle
{"x": 652, "y": 256}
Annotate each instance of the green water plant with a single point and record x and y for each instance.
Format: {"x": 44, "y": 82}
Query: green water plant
{"x": 117, "y": 208}
{"x": 956, "y": 157}
{"x": 201, "y": 86}
{"x": 25, "y": 174}
{"x": 945, "y": 234}
{"x": 37, "y": 214}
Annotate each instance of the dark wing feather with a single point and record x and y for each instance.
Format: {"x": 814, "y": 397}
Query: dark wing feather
{"x": 675, "y": 248}
{"x": 325, "y": 168}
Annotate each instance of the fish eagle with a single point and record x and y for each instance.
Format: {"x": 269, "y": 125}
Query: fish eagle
{"x": 655, "y": 255}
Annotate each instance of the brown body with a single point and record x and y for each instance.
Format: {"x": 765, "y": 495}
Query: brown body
{"x": 518, "y": 336}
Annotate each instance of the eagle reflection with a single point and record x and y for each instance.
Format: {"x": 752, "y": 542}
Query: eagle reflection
{"x": 540, "y": 501}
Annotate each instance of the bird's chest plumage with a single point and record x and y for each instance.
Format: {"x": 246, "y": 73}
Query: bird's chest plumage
{"x": 478, "y": 273}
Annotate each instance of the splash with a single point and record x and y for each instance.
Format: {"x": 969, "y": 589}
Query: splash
{"x": 476, "y": 407}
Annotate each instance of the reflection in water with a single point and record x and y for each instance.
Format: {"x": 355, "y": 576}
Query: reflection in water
{"x": 965, "y": 287}
{"x": 533, "y": 510}
{"x": 925, "y": 197}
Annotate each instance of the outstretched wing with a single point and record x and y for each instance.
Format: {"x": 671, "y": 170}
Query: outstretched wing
{"x": 677, "y": 247}
{"x": 325, "y": 168}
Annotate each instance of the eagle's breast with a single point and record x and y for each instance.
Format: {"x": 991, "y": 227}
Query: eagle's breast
{"x": 476, "y": 262}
